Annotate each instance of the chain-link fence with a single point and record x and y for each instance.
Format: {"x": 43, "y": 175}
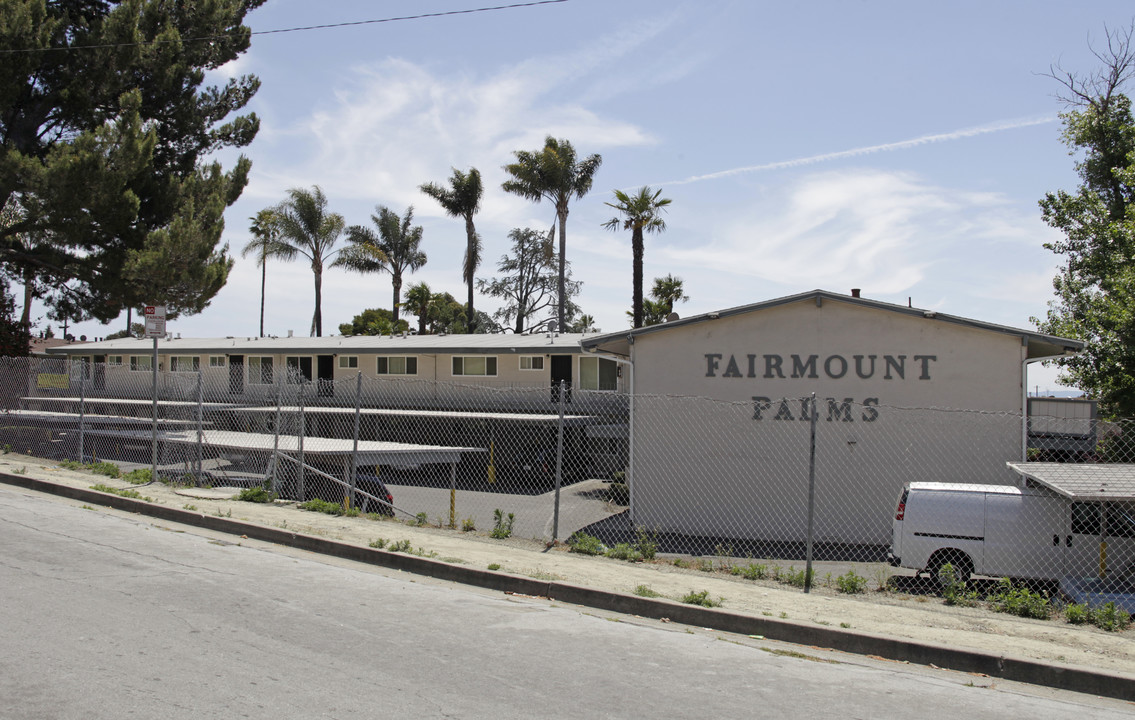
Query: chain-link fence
{"x": 826, "y": 478}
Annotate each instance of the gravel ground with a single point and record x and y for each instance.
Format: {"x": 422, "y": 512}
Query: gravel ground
{"x": 912, "y": 613}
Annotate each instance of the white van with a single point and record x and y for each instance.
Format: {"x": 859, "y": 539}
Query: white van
{"x": 1005, "y": 531}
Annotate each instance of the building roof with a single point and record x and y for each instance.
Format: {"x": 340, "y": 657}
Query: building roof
{"x": 1085, "y": 482}
{"x": 1039, "y": 345}
{"x": 566, "y": 343}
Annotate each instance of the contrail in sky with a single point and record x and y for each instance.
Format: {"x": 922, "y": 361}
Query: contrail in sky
{"x": 871, "y": 149}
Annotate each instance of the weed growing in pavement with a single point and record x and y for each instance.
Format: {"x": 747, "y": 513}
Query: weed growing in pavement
{"x": 705, "y": 565}
{"x": 850, "y": 583}
{"x": 468, "y": 525}
{"x": 845, "y": 625}
{"x": 783, "y": 615}
{"x": 1019, "y": 601}
{"x": 137, "y": 476}
{"x": 502, "y": 526}
{"x": 378, "y": 543}
{"x": 7, "y": 449}
{"x": 227, "y": 513}
{"x": 792, "y": 576}
{"x": 752, "y": 571}
{"x": 323, "y": 506}
{"x": 1077, "y": 614}
{"x": 701, "y": 598}
{"x": 680, "y": 563}
{"x": 1110, "y": 618}
{"x": 22, "y": 470}
{"x": 85, "y": 507}
{"x": 584, "y": 544}
{"x": 494, "y": 566}
{"x": 883, "y": 582}
{"x": 646, "y": 542}
{"x": 191, "y": 508}
{"x": 258, "y": 494}
{"x": 953, "y": 590}
{"x": 98, "y": 468}
{"x": 422, "y": 519}
{"x": 646, "y": 592}
{"x": 134, "y": 494}
{"x": 624, "y": 551}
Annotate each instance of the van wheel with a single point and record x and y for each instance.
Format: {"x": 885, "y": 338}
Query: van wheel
{"x": 962, "y": 565}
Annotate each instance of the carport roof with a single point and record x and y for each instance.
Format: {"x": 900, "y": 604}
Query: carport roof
{"x": 1085, "y": 482}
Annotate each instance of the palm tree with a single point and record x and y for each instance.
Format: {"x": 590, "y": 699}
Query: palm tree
{"x": 263, "y": 229}
{"x": 641, "y": 211}
{"x": 418, "y": 298}
{"x": 667, "y": 291}
{"x": 394, "y": 249}
{"x": 555, "y": 174}
{"x": 462, "y": 199}
{"x": 305, "y": 228}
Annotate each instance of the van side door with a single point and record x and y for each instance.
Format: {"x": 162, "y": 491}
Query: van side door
{"x": 1024, "y": 534}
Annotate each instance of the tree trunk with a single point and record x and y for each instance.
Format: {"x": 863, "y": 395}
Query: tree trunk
{"x": 317, "y": 318}
{"x": 396, "y": 281}
{"x": 562, "y": 290}
{"x": 470, "y": 249}
{"x": 29, "y": 279}
{"x": 263, "y": 286}
{"x": 637, "y": 251}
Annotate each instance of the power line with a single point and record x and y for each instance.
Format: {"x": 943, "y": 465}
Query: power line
{"x": 305, "y": 28}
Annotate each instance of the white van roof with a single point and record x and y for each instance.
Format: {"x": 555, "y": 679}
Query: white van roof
{"x": 1086, "y": 481}
{"x": 965, "y": 487}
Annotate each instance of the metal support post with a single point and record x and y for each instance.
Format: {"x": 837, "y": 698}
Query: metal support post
{"x": 154, "y": 424}
{"x": 354, "y": 465}
{"x": 300, "y": 495}
{"x": 200, "y": 460}
{"x": 559, "y": 464}
{"x": 811, "y": 495}
{"x": 275, "y": 439}
{"x": 82, "y": 407}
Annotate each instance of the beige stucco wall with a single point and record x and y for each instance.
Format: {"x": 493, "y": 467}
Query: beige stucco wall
{"x": 738, "y": 467}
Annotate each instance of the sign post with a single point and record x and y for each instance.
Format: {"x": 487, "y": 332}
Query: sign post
{"x": 155, "y": 328}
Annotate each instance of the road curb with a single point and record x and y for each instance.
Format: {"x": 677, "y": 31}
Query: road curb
{"x": 1054, "y": 675}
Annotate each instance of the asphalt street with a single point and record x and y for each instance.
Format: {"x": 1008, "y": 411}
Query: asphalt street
{"x": 110, "y": 615}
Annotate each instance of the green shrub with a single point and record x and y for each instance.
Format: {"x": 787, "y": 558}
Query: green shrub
{"x": 624, "y": 551}
{"x": 468, "y": 525}
{"x": 494, "y": 566}
{"x": 378, "y": 544}
{"x": 400, "y": 546}
{"x": 850, "y": 583}
{"x": 1077, "y": 614}
{"x": 701, "y": 598}
{"x": 323, "y": 506}
{"x": 793, "y": 577}
{"x": 646, "y": 543}
{"x": 953, "y": 590}
{"x": 502, "y": 526}
{"x": 138, "y": 476}
{"x": 258, "y": 494}
{"x": 646, "y": 591}
{"x": 1019, "y": 601}
{"x": 752, "y": 571}
{"x": 581, "y": 542}
{"x": 618, "y": 493}
{"x": 1110, "y": 618}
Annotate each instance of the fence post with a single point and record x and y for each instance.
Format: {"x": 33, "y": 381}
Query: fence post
{"x": 811, "y": 495}
{"x": 354, "y": 464}
{"x": 154, "y": 424}
{"x": 275, "y": 437}
{"x": 200, "y": 428}
{"x": 559, "y": 464}
{"x": 302, "y": 431}
{"x": 82, "y": 407}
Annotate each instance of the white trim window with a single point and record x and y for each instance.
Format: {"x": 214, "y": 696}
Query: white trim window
{"x": 596, "y": 373}
{"x": 531, "y": 362}
{"x": 474, "y": 366}
{"x": 113, "y": 360}
{"x": 140, "y": 363}
{"x": 259, "y": 370}
{"x": 299, "y": 369}
{"x": 348, "y": 362}
{"x": 396, "y": 365}
{"x": 217, "y": 361}
{"x": 184, "y": 363}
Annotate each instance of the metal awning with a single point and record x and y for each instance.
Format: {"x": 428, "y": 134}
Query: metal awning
{"x": 1083, "y": 482}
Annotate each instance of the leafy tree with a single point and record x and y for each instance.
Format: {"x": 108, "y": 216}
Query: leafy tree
{"x": 554, "y": 173}
{"x": 15, "y": 335}
{"x": 396, "y": 248}
{"x": 665, "y": 292}
{"x": 446, "y": 315}
{"x": 103, "y": 126}
{"x": 263, "y": 242}
{"x": 137, "y": 330}
{"x": 462, "y": 199}
{"x": 639, "y": 213}
{"x": 374, "y": 322}
{"x": 305, "y": 228}
{"x": 528, "y": 286}
{"x": 1095, "y": 289}
{"x": 418, "y": 297}
{"x": 582, "y": 324}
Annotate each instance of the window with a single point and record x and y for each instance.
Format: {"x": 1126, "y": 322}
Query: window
{"x": 184, "y": 363}
{"x": 114, "y": 360}
{"x": 299, "y": 370}
{"x": 597, "y": 373}
{"x": 217, "y": 361}
{"x": 141, "y": 362}
{"x": 396, "y": 365}
{"x": 259, "y": 370}
{"x": 348, "y": 362}
{"x": 476, "y": 365}
{"x": 531, "y": 362}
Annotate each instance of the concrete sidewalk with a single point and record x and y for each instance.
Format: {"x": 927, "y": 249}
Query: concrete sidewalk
{"x": 908, "y": 628}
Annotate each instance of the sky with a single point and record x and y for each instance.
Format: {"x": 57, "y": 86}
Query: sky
{"x": 898, "y": 147}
